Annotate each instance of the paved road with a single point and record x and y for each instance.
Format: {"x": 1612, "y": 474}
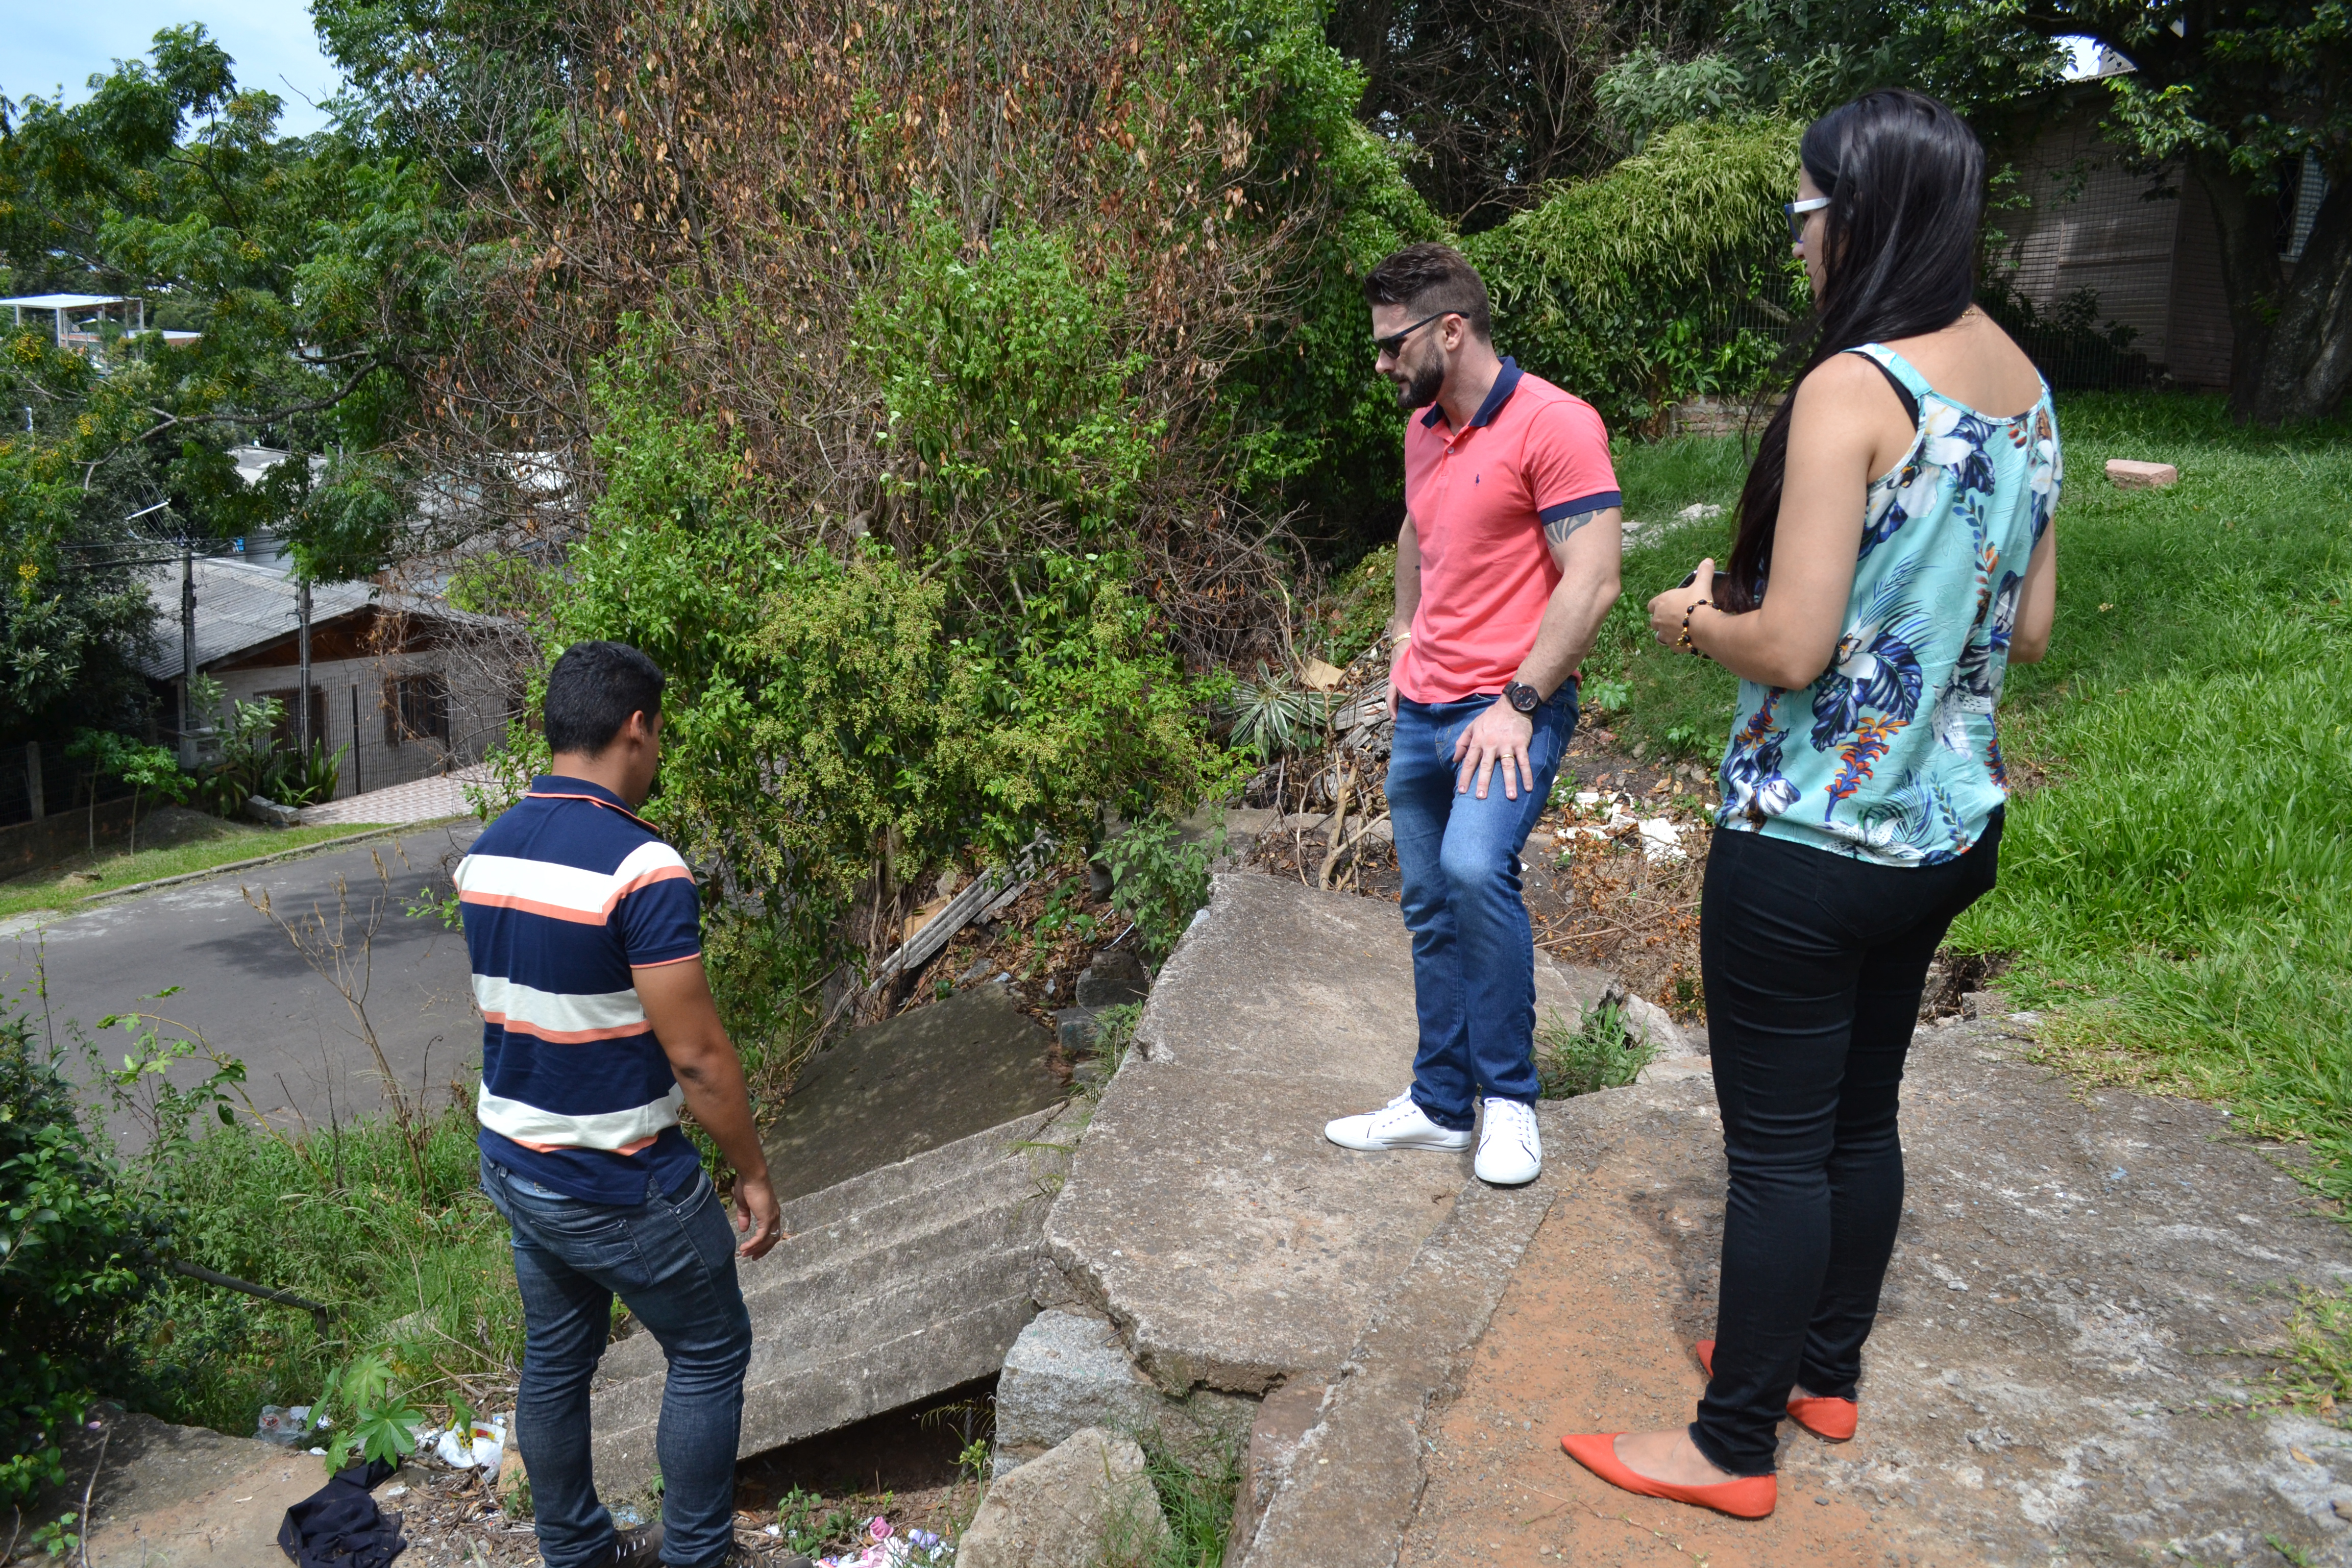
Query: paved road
{"x": 244, "y": 985}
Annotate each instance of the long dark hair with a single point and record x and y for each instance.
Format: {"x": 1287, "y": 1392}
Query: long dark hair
{"x": 1906, "y": 182}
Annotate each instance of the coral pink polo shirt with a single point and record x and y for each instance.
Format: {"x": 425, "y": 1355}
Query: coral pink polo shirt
{"x": 1479, "y": 499}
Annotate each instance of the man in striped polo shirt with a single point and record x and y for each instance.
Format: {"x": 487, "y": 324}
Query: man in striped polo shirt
{"x": 584, "y": 934}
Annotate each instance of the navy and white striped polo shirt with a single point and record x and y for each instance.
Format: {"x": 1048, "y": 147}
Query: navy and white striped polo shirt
{"x": 563, "y": 895}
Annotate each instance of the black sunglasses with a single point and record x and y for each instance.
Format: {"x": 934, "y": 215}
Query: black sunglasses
{"x": 1394, "y": 344}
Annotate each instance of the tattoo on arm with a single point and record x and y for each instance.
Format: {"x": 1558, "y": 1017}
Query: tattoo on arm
{"x": 1556, "y": 531}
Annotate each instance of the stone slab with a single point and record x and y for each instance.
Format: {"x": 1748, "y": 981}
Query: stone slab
{"x": 890, "y": 1288}
{"x": 1087, "y": 1504}
{"x": 1068, "y": 1371}
{"x": 1354, "y": 1479}
{"x": 1205, "y": 1215}
{"x": 914, "y": 1082}
{"x": 2078, "y": 1317}
{"x": 183, "y": 1497}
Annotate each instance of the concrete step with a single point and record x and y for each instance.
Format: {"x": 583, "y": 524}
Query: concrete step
{"x": 892, "y": 1287}
{"x": 1206, "y": 1217}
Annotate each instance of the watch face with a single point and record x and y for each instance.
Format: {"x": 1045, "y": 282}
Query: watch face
{"x": 1523, "y": 697}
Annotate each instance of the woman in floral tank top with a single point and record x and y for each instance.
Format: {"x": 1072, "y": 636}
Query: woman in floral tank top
{"x": 1895, "y": 553}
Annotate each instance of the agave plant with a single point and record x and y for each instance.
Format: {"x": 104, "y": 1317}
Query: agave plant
{"x": 1271, "y": 712}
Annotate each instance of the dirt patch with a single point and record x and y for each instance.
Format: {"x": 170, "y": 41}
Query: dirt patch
{"x": 1594, "y": 1334}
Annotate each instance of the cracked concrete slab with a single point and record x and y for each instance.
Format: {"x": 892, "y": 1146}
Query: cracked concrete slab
{"x": 1353, "y": 1482}
{"x": 920, "y": 1080}
{"x": 2073, "y": 1334}
{"x": 1205, "y": 1215}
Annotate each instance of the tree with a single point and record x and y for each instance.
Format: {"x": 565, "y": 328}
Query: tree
{"x": 2240, "y": 93}
{"x": 151, "y": 769}
{"x": 301, "y": 263}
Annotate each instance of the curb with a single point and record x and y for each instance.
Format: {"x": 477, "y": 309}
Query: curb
{"x": 265, "y": 859}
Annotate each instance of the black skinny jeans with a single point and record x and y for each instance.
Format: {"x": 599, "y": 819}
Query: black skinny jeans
{"x": 1813, "y": 965}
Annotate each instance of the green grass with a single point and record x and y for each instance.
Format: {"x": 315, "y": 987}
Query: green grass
{"x": 234, "y": 841}
{"x": 2179, "y": 892}
{"x": 1598, "y": 1053}
{"x": 424, "y": 1275}
{"x": 2176, "y": 871}
{"x": 1680, "y": 706}
{"x": 1196, "y": 1488}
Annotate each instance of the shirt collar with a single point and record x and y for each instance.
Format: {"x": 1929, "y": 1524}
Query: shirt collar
{"x": 564, "y": 787}
{"x": 1506, "y": 382}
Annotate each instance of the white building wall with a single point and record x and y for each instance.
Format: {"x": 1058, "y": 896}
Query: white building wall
{"x": 476, "y": 720}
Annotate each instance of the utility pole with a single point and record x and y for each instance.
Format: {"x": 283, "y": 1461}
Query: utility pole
{"x": 187, "y": 650}
{"x": 303, "y": 696}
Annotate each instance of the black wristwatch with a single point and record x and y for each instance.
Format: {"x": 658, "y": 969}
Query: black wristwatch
{"x": 1525, "y": 699}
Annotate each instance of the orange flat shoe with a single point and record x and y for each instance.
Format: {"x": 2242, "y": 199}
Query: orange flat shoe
{"x": 1748, "y": 1497}
{"x": 1832, "y": 1420}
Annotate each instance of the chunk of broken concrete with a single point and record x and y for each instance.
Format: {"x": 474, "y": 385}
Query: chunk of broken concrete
{"x": 1086, "y": 1504}
{"x": 919, "y": 1081}
{"x": 1068, "y": 1371}
{"x": 1115, "y": 978}
{"x": 2128, "y": 475}
{"x": 1282, "y": 1424}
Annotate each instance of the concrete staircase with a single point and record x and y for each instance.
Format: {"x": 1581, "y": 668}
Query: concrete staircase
{"x": 893, "y": 1286}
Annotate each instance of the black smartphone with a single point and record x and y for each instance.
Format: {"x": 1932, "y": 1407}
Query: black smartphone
{"x": 1691, "y": 579}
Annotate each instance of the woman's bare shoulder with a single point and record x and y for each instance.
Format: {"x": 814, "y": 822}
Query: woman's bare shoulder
{"x": 1848, "y": 387}
{"x": 1841, "y": 379}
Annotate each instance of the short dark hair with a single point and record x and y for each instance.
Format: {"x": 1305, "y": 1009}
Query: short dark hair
{"x": 591, "y": 691}
{"x": 1431, "y": 277}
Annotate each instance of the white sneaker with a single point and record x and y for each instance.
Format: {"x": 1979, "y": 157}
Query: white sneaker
{"x": 1399, "y": 1125}
{"x": 1510, "y": 1150}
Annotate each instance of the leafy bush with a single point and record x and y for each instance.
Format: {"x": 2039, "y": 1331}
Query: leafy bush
{"x": 71, "y": 1270}
{"x": 151, "y": 769}
{"x": 252, "y": 762}
{"x": 368, "y": 1420}
{"x": 832, "y": 712}
{"x": 1646, "y": 92}
{"x": 1158, "y": 880}
{"x": 1354, "y": 612}
{"x": 1616, "y": 287}
{"x": 1600, "y": 1053}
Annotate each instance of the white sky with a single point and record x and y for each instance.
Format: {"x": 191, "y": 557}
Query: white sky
{"x": 2085, "y": 60}
{"x": 54, "y": 44}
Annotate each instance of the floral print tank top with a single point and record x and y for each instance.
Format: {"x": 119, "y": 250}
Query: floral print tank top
{"x": 1892, "y": 755}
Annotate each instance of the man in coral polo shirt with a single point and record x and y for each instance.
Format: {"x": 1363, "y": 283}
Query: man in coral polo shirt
{"x": 1506, "y": 564}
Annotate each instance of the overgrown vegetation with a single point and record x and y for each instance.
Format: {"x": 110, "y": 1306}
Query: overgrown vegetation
{"x": 839, "y": 726}
{"x": 75, "y": 1265}
{"x": 1620, "y": 287}
{"x": 1600, "y": 1052}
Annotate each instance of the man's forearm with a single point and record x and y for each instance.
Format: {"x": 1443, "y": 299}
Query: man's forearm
{"x": 1571, "y": 622}
{"x": 1407, "y": 581}
{"x": 715, "y": 1093}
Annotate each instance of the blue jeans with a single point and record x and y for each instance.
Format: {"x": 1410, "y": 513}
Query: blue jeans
{"x": 672, "y": 1261}
{"x": 1473, "y": 953}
